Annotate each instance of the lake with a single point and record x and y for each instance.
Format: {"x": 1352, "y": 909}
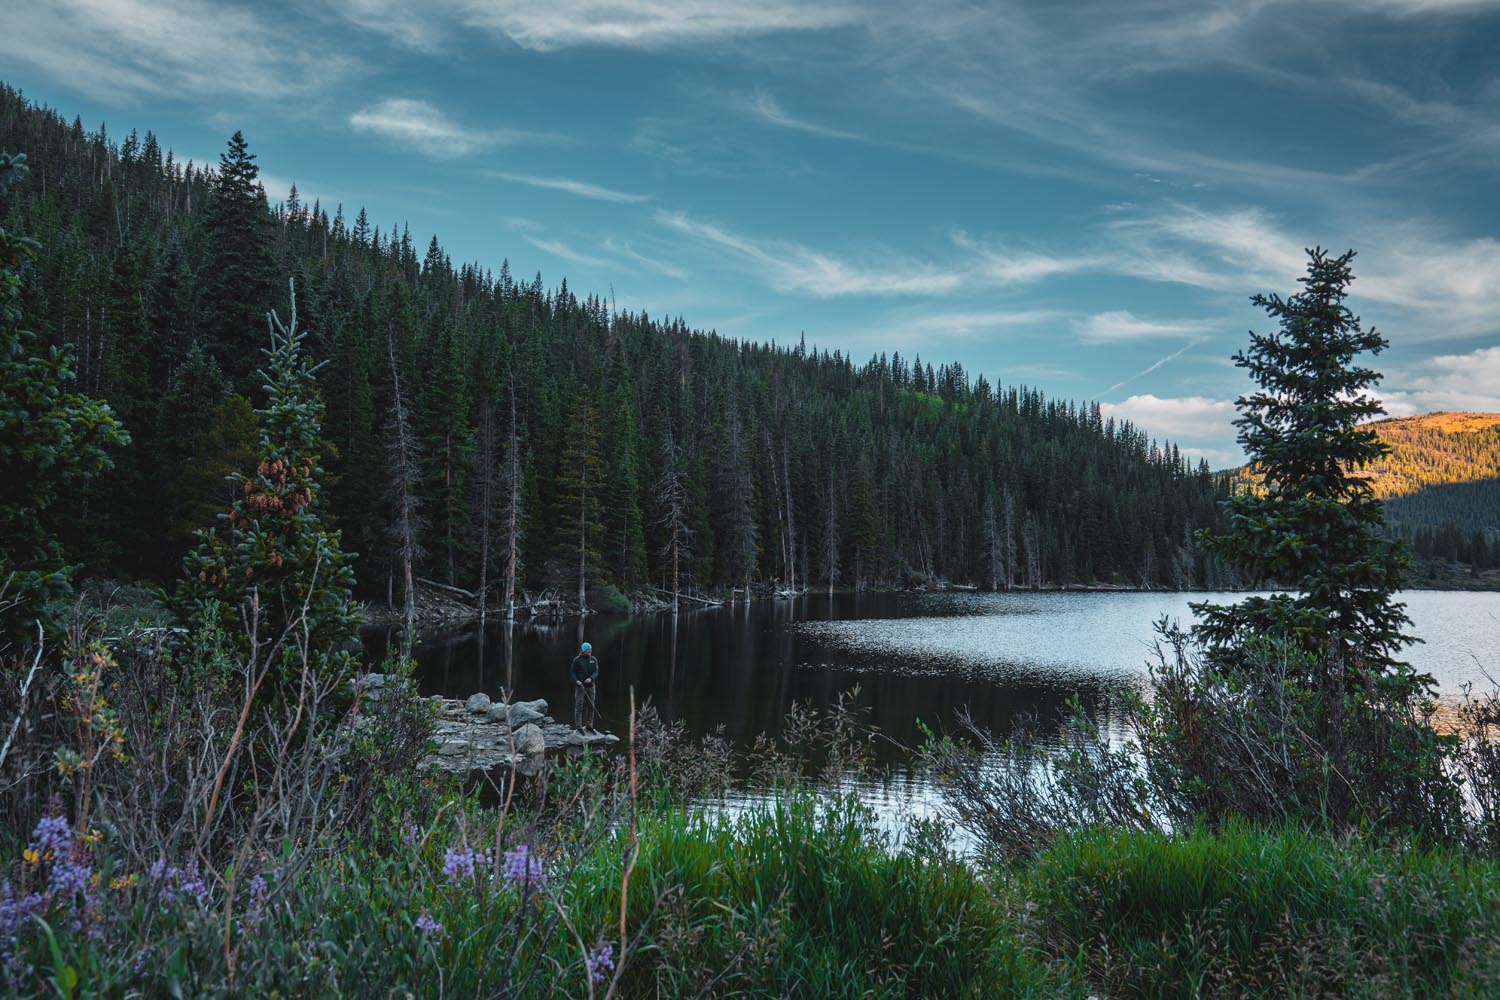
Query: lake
{"x": 913, "y": 656}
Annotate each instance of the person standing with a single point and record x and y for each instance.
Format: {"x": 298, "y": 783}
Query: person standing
{"x": 585, "y": 671}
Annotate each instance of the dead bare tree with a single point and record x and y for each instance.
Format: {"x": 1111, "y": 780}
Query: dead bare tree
{"x": 672, "y": 500}
{"x": 404, "y": 472}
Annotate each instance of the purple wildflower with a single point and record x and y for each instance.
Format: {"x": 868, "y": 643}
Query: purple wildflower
{"x": 601, "y": 961}
{"x": 52, "y": 835}
{"x": 413, "y": 834}
{"x": 176, "y": 882}
{"x": 461, "y": 863}
{"x": 15, "y": 911}
{"x": 522, "y": 869}
{"x": 68, "y": 876}
{"x": 427, "y": 925}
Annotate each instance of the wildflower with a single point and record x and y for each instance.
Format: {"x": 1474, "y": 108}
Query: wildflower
{"x": 176, "y": 882}
{"x": 461, "y": 863}
{"x": 600, "y": 961}
{"x": 522, "y": 869}
{"x": 428, "y": 926}
{"x": 69, "y": 876}
{"x": 52, "y": 836}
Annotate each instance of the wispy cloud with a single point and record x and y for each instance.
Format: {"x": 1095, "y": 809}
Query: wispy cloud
{"x": 121, "y": 51}
{"x": 648, "y": 24}
{"x": 582, "y": 189}
{"x": 562, "y": 251}
{"x": 1154, "y": 366}
{"x": 1122, "y": 324}
{"x": 791, "y": 267}
{"x": 650, "y": 263}
{"x": 765, "y": 108}
{"x": 424, "y": 128}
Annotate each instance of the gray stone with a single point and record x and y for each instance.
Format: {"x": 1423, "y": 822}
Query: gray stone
{"x": 523, "y": 712}
{"x": 372, "y": 681}
{"x": 452, "y": 748}
{"x": 529, "y": 740}
{"x": 497, "y": 712}
{"x": 478, "y": 703}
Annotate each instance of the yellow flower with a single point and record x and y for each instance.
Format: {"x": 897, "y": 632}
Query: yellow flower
{"x": 31, "y": 856}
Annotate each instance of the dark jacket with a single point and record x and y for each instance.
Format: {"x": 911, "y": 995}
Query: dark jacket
{"x": 584, "y": 668}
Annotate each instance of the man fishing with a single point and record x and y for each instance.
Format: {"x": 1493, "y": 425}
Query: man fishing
{"x": 585, "y": 671}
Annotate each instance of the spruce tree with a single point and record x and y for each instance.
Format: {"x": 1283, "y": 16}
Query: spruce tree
{"x": 50, "y": 440}
{"x": 1313, "y": 524}
{"x": 272, "y": 556}
{"x": 239, "y": 270}
{"x": 577, "y": 516}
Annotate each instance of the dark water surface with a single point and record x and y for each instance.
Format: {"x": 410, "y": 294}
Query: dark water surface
{"x": 914, "y": 656}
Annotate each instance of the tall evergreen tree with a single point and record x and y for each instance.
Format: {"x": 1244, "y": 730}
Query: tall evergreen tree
{"x": 1315, "y": 524}
{"x": 274, "y": 559}
{"x": 239, "y": 271}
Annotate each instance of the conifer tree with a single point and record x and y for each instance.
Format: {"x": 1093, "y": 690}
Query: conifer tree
{"x": 240, "y": 270}
{"x": 578, "y": 487}
{"x": 50, "y": 439}
{"x": 1316, "y": 525}
{"x": 272, "y": 557}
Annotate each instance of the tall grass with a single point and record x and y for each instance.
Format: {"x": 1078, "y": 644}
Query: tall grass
{"x": 1246, "y": 912}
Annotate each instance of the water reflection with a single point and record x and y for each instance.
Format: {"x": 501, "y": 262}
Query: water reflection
{"x": 914, "y": 657}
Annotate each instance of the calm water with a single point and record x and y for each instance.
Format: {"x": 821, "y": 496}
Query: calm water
{"x": 914, "y": 656}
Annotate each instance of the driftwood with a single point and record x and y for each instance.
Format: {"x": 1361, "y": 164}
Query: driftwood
{"x": 689, "y": 597}
{"x": 451, "y": 589}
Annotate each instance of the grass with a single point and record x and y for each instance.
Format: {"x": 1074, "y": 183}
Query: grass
{"x": 1253, "y": 913}
{"x": 804, "y": 897}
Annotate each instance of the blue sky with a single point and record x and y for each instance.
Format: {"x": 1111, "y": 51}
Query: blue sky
{"x": 1077, "y": 196}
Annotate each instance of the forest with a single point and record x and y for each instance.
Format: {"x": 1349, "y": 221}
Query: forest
{"x": 486, "y": 431}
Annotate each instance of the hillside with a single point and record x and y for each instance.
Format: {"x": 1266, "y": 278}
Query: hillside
{"x": 1444, "y": 468}
{"x": 624, "y": 443}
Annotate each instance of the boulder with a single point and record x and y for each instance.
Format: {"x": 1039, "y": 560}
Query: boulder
{"x": 497, "y": 712}
{"x": 529, "y": 740}
{"x": 523, "y": 712}
{"x": 478, "y": 703}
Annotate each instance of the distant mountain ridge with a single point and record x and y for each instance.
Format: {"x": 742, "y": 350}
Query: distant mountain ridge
{"x": 1436, "y": 449}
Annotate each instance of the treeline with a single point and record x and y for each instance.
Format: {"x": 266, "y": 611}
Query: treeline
{"x": 485, "y": 431}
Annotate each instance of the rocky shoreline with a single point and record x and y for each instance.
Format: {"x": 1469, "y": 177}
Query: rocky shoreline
{"x": 480, "y": 734}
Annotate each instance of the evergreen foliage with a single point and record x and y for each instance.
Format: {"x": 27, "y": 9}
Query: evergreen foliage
{"x": 275, "y": 564}
{"x": 796, "y": 461}
{"x": 1315, "y": 523}
{"x": 51, "y": 438}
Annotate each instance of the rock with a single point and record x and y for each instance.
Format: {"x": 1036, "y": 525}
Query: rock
{"x": 497, "y": 712}
{"x": 452, "y": 748}
{"x": 478, "y": 703}
{"x": 523, "y": 712}
{"x": 372, "y": 681}
{"x": 529, "y": 740}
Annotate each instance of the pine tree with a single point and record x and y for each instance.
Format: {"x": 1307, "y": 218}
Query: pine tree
{"x": 577, "y": 499}
{"x": 239, "y": 268}
{"x": 50, "y": 440}
{"x": 274, "y": 561}
{"x": 1316, "y": 525}
{"x": 672, "y": 502}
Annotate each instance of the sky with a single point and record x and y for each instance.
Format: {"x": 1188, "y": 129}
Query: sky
{"x": 1077, "y": 196}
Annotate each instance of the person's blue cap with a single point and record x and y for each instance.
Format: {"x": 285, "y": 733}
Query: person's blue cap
{"x": 587, "y": 646}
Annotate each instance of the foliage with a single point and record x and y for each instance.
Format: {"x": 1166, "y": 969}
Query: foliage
{"x": 1315, "y": 525}
{"x": 794, "y": 453}
{"x": 50, "y": 439}
{"x": 1253, "y": 912}
{"x": 275, "y": 563}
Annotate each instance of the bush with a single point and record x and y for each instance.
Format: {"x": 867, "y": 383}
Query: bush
{"x": 606, "y": 599}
